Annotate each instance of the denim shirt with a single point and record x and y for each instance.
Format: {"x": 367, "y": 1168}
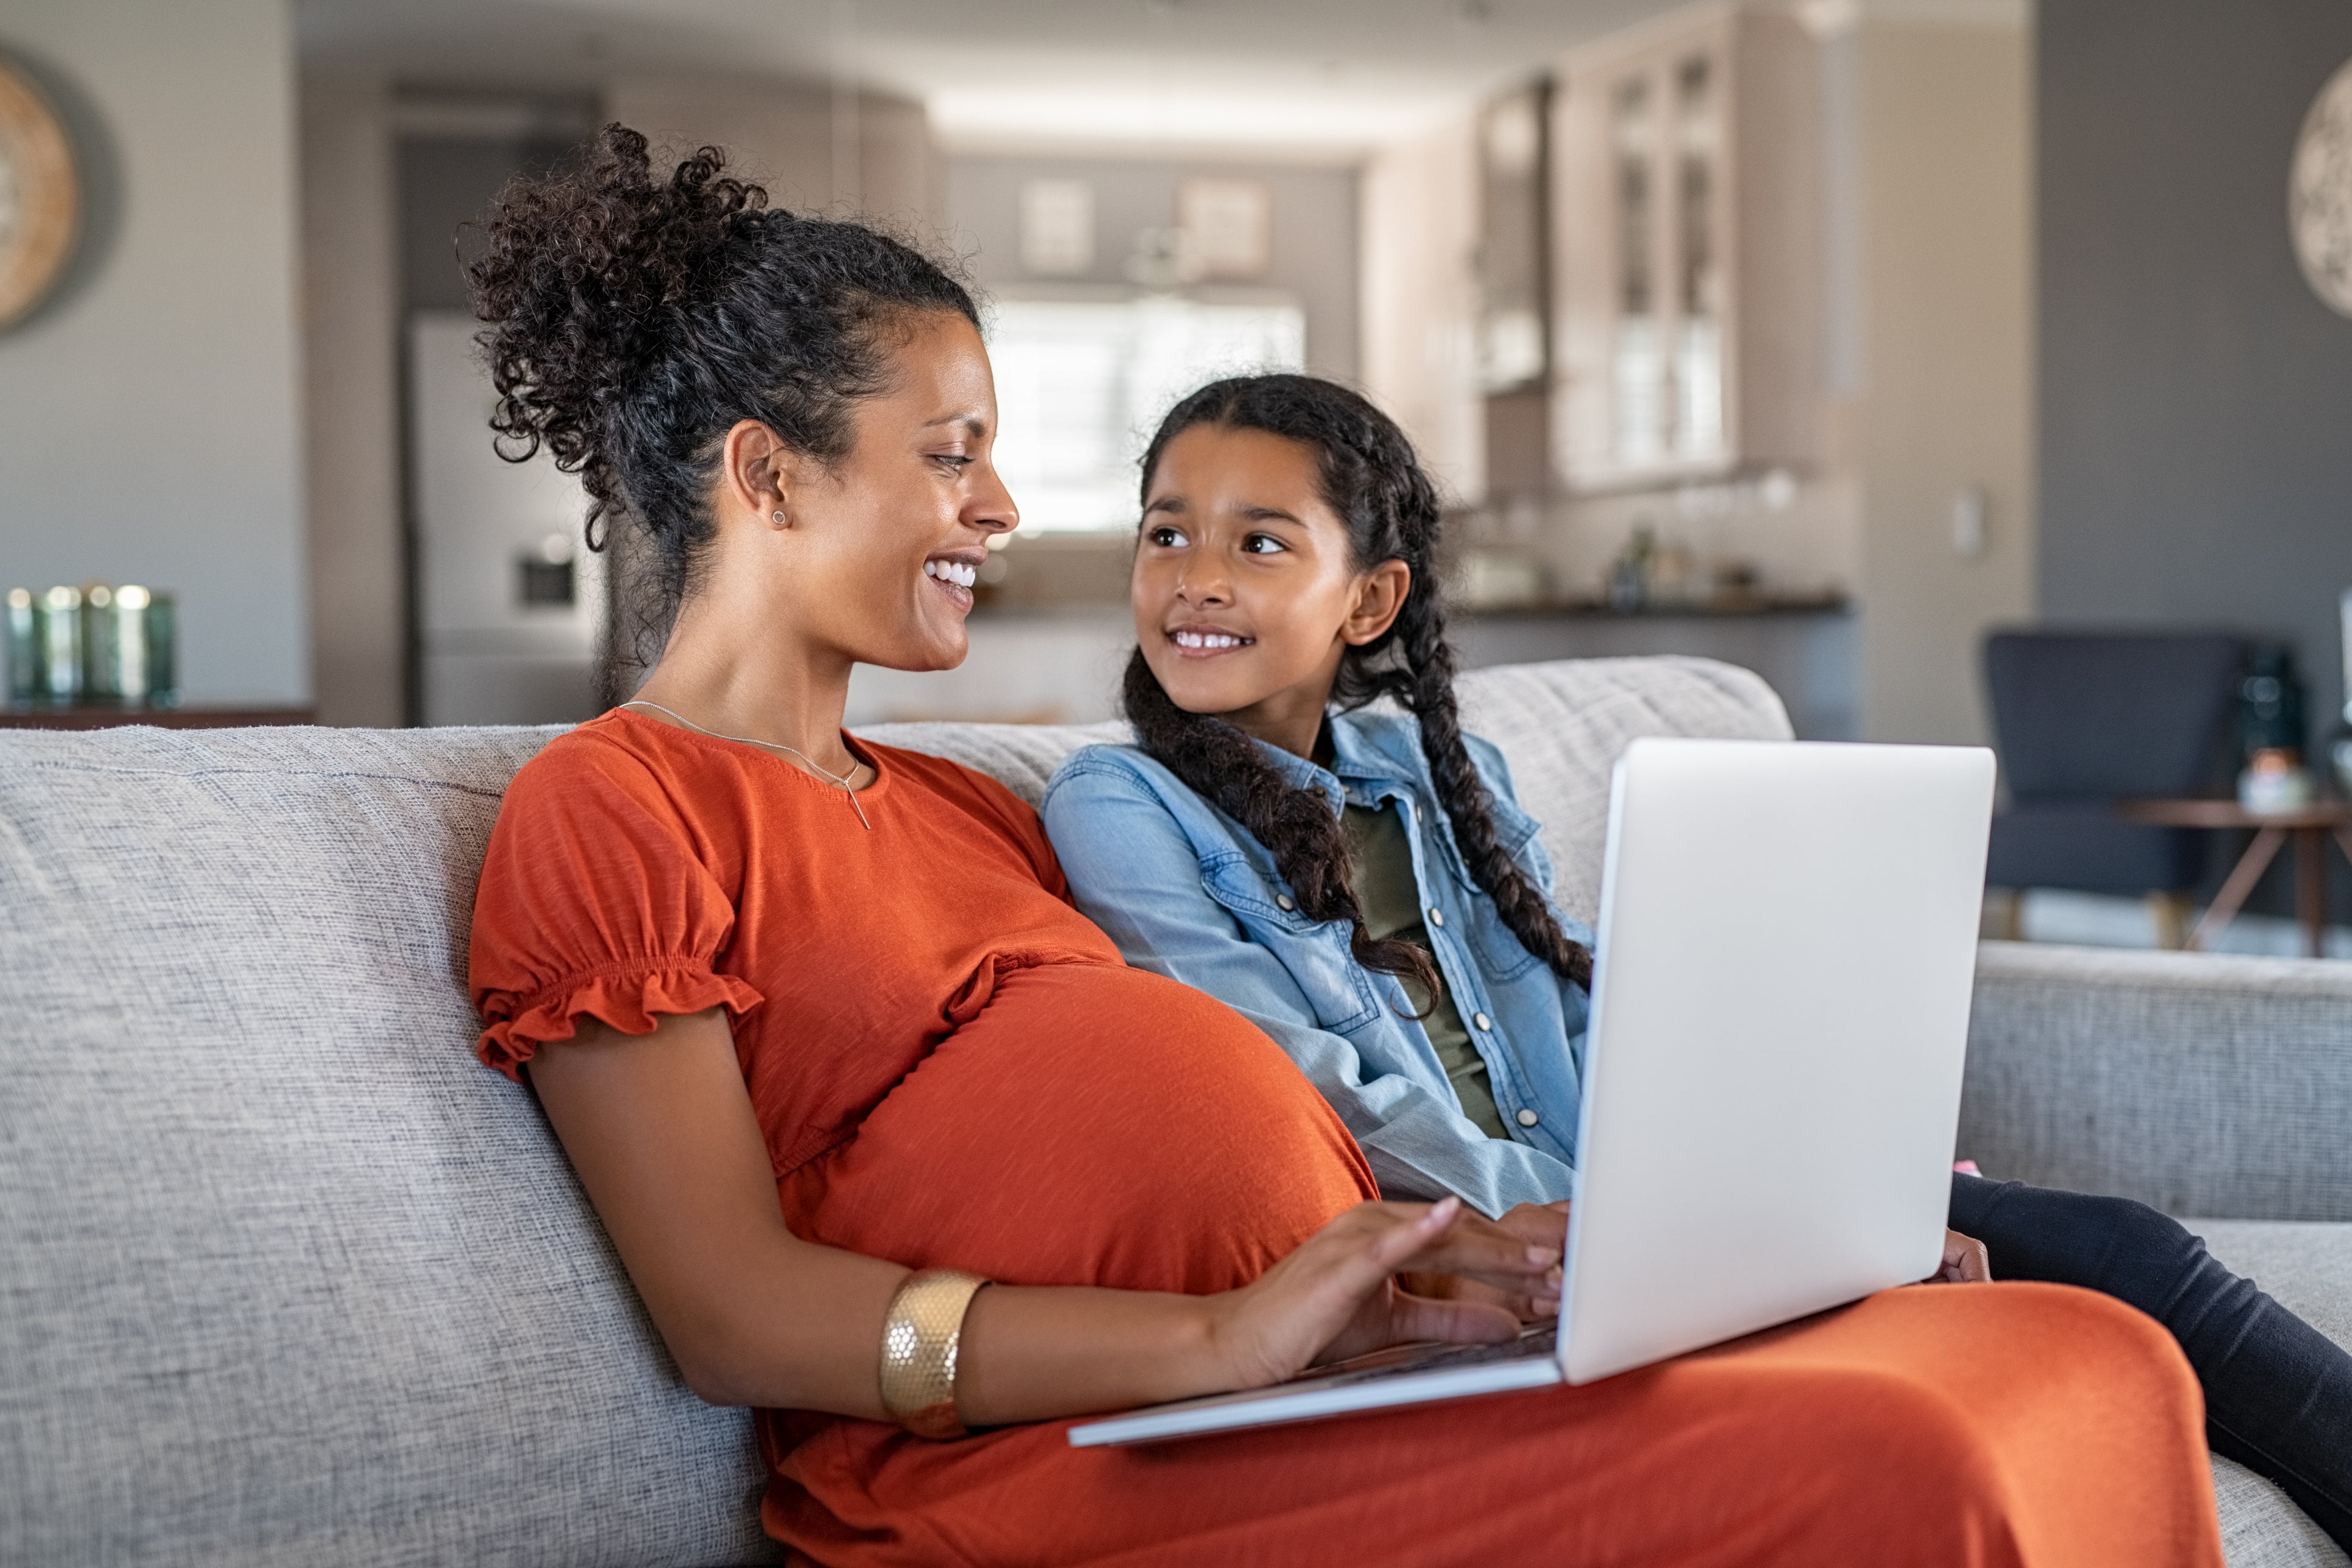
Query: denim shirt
{"x": 1187, "y": 891}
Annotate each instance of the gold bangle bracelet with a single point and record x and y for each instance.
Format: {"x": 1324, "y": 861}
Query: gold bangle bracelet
{"x": 920, "y": 1333}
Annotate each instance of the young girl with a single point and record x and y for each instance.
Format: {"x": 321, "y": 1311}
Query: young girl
{"x": 1362, "y": 885}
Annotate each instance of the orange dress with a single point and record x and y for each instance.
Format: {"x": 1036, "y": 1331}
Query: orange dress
{"x": 954, "y": 1067}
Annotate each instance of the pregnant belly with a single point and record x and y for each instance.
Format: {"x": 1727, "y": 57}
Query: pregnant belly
{"x": 1089, "y": 1124}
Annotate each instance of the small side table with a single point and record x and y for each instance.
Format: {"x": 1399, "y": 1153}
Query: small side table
{"x": 2311, "y": 827}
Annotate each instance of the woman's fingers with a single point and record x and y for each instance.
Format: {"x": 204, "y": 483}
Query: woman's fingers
{"x": 1358, "y": 1252}
{"x": 1336, "y": 1296}
{"x": 1458, "y": 1321}
{"x": 1400, "y": 1243}
{"x": 1526, "y": 1306}
{"x": 1482, "y": 1249}
{"x": 1474, "y": 1260}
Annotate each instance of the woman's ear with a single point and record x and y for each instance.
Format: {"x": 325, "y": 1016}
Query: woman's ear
{"x": 1379, "y": 595}
{"x": 755, "y": 475}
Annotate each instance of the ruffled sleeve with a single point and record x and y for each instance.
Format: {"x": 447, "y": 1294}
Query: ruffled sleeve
{"x": 593, "y": 902}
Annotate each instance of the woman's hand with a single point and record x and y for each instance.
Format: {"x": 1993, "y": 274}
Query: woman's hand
{"x": 1966, "y": 1261}
{"x": 1337, "y": 1295}
{"x": 1537, "y": 1225}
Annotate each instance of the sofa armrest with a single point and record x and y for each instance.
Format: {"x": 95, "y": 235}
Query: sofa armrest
{"x": 2200, "y": 1085}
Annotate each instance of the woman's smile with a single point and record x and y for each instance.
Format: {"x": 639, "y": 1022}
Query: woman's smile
{"x": 954, "y": 573}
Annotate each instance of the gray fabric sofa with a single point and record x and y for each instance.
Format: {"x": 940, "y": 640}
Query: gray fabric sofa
{"x": 285, "y": 1277}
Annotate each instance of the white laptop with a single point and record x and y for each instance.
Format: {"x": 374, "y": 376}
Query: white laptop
{"x": 1771, "y": 1079}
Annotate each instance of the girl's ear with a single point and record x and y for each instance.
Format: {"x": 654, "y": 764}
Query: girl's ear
{"x": 1379, "y": 595}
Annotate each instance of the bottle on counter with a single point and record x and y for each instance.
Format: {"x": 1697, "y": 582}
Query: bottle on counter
{"x": 2271, "y": 731}
{"x": 56, "y": 637}
{"x": 24, "y": 650}
{"x": 93, "y": 643}
{"x": 133, "y": 631}
{"x": 101, "y": 642}
{"x": 159, "y": 620}
{"x": 1628, "y": 575}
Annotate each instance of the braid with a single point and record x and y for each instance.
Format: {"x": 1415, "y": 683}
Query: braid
{"x": 1224, "y": 767}
{"x": 1421, "y": 630}
{"x": 1372, "y": 479}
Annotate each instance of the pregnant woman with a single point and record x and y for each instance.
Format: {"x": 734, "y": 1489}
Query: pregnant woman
{"x": 897, "y": 1149}
{"x": 1363, "y": 885}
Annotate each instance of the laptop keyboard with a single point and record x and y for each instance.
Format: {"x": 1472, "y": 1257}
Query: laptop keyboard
{"x": 1536, "y": 1340}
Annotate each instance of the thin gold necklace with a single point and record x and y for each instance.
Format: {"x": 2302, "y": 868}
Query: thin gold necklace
{"x": 840, "y": 781}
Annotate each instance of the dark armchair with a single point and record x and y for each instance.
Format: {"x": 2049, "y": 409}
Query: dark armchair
{"x": 2082, "y": 719}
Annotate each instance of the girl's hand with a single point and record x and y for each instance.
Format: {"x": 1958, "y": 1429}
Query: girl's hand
{"x": 1337, "y": 1295}
{"x": 1966, "y": 1261}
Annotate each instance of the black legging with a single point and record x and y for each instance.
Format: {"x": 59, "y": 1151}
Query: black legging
{"x": 2278, "y": 1392}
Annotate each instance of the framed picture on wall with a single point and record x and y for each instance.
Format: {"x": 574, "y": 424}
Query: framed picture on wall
{"x": 1228, "y": 227}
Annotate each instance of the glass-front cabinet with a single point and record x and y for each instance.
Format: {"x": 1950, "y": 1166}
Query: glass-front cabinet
{"x": 1686, "y": 224}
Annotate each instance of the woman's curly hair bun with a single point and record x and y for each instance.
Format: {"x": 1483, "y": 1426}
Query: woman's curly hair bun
{"x": 631, "y": 320}
{"x": 579, "y": 284}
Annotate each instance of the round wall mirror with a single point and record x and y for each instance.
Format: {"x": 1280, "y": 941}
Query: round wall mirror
{"x": 2320, "y": 198}
{"x": 40, "y": 196}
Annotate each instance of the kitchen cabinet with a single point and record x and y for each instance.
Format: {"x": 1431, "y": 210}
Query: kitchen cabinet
{"x": 1687, "y": 228}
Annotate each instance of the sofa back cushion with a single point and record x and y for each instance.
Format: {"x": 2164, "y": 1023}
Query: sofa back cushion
{"x": 1560, "y": 726}
{"x": 285, "y": 1275}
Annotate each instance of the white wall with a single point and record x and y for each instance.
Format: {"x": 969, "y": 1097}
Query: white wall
{"x": 1419, "y": 226}
{"x": 868, "y": 155}
{"x": 1945, "y": 177}
{"x": 148, "y": 426}
{"x": 351, "y": 307}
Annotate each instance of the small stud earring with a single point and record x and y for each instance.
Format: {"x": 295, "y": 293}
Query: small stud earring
{"x": 779, "y": 517}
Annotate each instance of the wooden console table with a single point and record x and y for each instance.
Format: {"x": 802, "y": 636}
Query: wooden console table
{"x": 2311, "y": 827}
{"x": 163, "y": 718}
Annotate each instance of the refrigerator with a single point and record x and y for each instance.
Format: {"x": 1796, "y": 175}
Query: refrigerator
{"x": 510, "y": 605}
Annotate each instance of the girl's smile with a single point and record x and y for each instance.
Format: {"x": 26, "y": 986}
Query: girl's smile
{"x": 1207, "y": 642}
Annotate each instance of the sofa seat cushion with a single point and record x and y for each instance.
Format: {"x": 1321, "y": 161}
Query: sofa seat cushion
{"x": 2308, "y": 1268}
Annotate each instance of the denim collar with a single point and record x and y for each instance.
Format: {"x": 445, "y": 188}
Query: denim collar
{"x": 1374, "y": 755}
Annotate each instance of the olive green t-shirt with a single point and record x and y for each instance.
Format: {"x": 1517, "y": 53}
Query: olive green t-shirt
{"x": 1382, "y": 860}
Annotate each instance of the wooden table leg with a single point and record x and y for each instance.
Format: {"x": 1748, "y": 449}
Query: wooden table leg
{"x": 2240, "y": 883}
{"x": 2311, "y": 888}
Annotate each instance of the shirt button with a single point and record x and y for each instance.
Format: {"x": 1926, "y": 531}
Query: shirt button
{"x": 1285, "y": 902}
{"x": 1528, "y": 1119}
{"x": 1437, "y": 917}
{"x": 1483, "y": 1022}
